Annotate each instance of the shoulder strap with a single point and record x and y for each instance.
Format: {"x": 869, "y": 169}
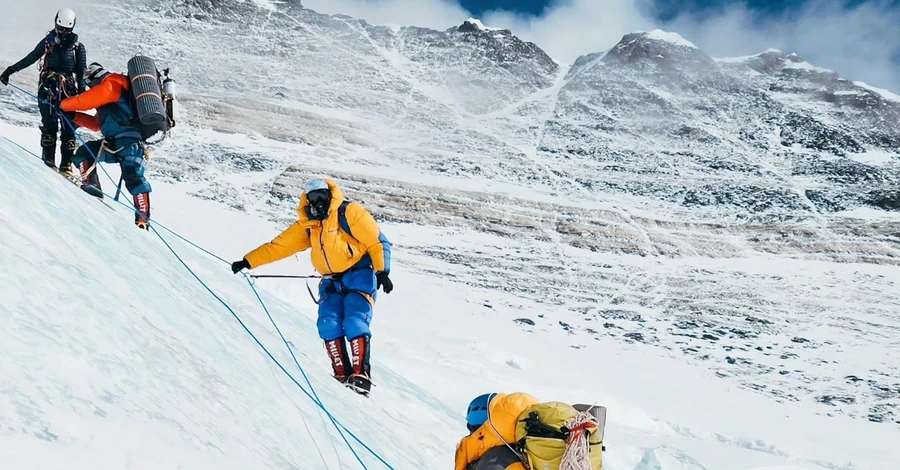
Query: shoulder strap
{"x": 48, "y": 49}
{"x": 342, "y": 218}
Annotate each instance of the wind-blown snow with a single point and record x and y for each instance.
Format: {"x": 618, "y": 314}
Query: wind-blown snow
{"x": 741, "y": 59}
{"x": 805, "y": 66}
{"x": 667, "y": 36}
{"x": 881, "y": 91}
{"x": 734, "y": 60}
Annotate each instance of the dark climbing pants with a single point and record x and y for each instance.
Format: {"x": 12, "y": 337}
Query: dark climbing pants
{"x": 52, "y": 122}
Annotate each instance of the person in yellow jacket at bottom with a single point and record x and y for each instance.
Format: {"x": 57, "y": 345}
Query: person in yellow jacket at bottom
{"x": 354, "y": 258}
{"x": 491, "y": 420}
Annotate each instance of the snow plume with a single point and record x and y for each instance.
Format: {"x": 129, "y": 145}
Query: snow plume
{"x": 859, "y": 42}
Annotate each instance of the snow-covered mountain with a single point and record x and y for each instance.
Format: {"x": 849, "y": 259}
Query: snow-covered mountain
{"x": 736, "y": 215}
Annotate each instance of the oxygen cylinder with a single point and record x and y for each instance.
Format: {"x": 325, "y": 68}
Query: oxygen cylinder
{"x": 151, "y": 111}
{"x": 169, "y": 87}
{"x": 169, "y": 98}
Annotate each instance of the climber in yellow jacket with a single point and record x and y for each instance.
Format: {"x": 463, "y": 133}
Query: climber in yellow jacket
{"x": 354, "y": 258}
{"x": 491, "y": 420}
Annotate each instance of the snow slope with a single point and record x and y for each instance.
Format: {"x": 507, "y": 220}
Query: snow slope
{"x": 115, "y": 358}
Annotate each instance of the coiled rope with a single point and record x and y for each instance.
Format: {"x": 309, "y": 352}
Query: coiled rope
{"x": 578, "y": 449}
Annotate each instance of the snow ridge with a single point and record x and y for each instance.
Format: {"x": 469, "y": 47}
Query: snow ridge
{"x": 881, "y": 91}
{"x": 477, "y": 24}
{"x": 671, "y": 37}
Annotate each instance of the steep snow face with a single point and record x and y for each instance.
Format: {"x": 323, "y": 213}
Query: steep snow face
{"x": 142, "y": 369}
{"x": 115, "y": 357}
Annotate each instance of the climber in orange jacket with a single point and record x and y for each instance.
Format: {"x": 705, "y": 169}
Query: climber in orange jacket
{"x": 491, "y": 420}
{"x": 122, "y": 143}
{"x": 354, "y": 258}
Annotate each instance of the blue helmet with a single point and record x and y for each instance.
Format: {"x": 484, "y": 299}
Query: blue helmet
{"x": 477, "y": 413}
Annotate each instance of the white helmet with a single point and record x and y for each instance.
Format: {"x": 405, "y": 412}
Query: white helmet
{"x": 65, "y": 18}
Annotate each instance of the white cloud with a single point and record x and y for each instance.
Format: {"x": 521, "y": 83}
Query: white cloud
{"x": 857, "y": 42}
{"x": 567, "y": 30}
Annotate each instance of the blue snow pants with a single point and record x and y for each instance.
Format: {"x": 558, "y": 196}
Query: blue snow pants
{"x": 128, "y": 153}
{"x": 346, "y": 304}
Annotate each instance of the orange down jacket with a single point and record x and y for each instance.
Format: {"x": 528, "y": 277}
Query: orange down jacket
{"x": 503, "y": 414}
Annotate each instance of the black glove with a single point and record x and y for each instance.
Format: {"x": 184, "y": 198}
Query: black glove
{"x": 4, "y": 77}
{"x": 239, "y": 265}
{"x": 384, "y": 280}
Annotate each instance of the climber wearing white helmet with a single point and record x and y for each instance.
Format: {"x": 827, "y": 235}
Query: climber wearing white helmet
{"x": 62, "y": 62}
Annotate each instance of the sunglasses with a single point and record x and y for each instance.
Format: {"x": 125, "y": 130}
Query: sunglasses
{"x": 64, "y": 30}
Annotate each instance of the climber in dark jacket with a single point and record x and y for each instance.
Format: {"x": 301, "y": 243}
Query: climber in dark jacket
{"x": 63, "y": 60}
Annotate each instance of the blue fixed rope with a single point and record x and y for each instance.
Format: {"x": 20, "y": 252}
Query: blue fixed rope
{"x": 249, "y": 332}
{"x": 336, "y": 423}
{"x": 302, "y": 371}
{"x": 314, "y": 397}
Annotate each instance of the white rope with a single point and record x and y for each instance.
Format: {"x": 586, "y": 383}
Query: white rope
{"x": 578, "y": 449}
{"x": 514, "y": 451}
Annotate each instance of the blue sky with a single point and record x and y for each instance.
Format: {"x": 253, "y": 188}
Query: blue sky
{"x": 662, "y": 9}
{"x": 859, "y": 39}
{"x": 479, "y": 7}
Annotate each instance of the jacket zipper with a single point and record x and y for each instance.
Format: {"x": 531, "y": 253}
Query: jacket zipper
{"x": 322, "y": 247}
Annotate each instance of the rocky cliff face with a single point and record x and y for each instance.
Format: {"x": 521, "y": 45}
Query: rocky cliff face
{"x": 764, "y": 137}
